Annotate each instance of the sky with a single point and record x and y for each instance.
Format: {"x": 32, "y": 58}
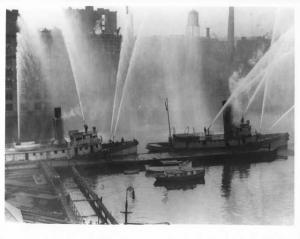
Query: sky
{"x": 172, "y": 20}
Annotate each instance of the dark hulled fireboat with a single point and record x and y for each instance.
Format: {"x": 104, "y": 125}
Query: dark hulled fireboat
{"x": 236, "y": 138}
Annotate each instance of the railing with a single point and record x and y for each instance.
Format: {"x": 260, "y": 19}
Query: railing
{"x": 93, "y": 199}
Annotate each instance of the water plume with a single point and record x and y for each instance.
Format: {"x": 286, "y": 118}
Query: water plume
{"x": 128, "y": 75}
{"x": 282, "y": 117}
{"x": 124, "y": 61}
{"x": 75, "y": 79}
{"x": 45, "y": 77}
{"x": 261, "y": 73}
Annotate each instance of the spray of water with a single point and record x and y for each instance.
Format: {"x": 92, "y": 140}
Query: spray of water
{"x": 19, "y": 108}
{"x": 129, "y": 74}
{"x": 76, "y": 84}
{"x": 263, "y": 103}
{"x": 44, "y": 73}
{"x": 28, "y": 67}
{"x": 66, "y": 32}
{"x": 125, "y": 58}
{"x": 283, "y": 45}
{"x": 282, "y": 117}
{"x": 265, "y": 75}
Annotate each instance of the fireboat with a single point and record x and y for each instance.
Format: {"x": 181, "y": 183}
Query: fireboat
{"x": 85, "y": 144}
{"x": 235, "y": 139}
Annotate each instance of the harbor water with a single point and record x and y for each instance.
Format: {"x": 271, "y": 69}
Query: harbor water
{"x": 248, "y": 193}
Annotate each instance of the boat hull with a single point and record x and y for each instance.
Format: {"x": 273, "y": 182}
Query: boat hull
{"x": 179, "y": 177}
{"x": 255, "y": 142}
{"x": 120, "y": 149}
{"x": 88, "y": 152}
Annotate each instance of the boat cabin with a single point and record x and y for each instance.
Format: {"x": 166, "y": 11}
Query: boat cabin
{"x": 243, "y": 129}
{"x": 78, "y": 138}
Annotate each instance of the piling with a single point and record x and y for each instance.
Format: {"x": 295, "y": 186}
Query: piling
{"x": 96, "y": 203}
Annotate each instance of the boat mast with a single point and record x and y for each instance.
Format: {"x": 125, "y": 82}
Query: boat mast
{"x": 167, "y": 109}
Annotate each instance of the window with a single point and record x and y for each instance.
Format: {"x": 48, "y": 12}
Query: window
{"x": 9, "y": 95}
{"x": 9, "y": 107}
{"x": 8, "y": 83}
{"x": 9, "y": 72}
{"x": 38, "y": 106}
{"x": 41, "y": 153}
{"x": 55, "y": 151}
{"x": 33, "y": 154}
{"x": 24, "y": 107}
{"x": 63, "y": 151}
{"x": 37, "y": 95}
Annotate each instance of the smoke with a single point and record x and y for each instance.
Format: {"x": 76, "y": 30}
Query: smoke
{"x": 74, "y": 112}
{"x": 257, "y": 55}
{"x": 234, "y": 80}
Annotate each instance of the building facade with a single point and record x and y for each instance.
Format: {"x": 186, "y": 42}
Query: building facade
{"x": 11, "y": 76}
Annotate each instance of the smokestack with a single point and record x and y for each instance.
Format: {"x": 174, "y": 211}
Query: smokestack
{"x": 208, "y": 32}
{"x": 227, "y": 122}
{"x": 94, "y": 130}
{"x": 57, "y": 112}
{"x": 193, "y": 28}
{"x": 58, "y": 127}
{"x": 85, "y": 128}
{"x": 230, "y": 34}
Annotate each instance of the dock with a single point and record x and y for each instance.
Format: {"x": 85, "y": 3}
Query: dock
{"x": 95, "y": 202}
{"x": 30, "y": 188}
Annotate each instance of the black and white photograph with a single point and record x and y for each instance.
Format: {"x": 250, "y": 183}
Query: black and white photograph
{"x": 149, "y": 114}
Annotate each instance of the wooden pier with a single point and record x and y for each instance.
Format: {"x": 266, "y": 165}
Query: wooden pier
{"x": 54, "y": 178}
{"x": 96, "y": 203}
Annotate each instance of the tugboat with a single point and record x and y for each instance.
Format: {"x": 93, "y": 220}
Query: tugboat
{"x": 80, "y": 145}
{"x": 236, "y": 138}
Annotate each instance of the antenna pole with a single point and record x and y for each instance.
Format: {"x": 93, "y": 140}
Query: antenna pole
{"x": 167, "y": 109}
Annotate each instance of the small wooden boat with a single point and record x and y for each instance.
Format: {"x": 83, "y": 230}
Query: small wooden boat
{"x": 181, "y": 175}
{"x": 168, "y": 165}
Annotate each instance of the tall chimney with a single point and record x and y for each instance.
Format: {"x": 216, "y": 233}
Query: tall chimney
{"x": 208, "y": 32}
{"x": 230, "y": 34}
{"x": 58, "y": 127}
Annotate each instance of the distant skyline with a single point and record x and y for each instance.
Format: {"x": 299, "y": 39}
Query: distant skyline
{"x": 172, "y": 20}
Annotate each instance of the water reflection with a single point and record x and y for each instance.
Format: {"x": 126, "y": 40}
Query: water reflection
{"x": 227, "y": 175}
{"x": 185, "y": 185}
{"x": 243, "y": 170}
{"x": 232, "y": 193}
